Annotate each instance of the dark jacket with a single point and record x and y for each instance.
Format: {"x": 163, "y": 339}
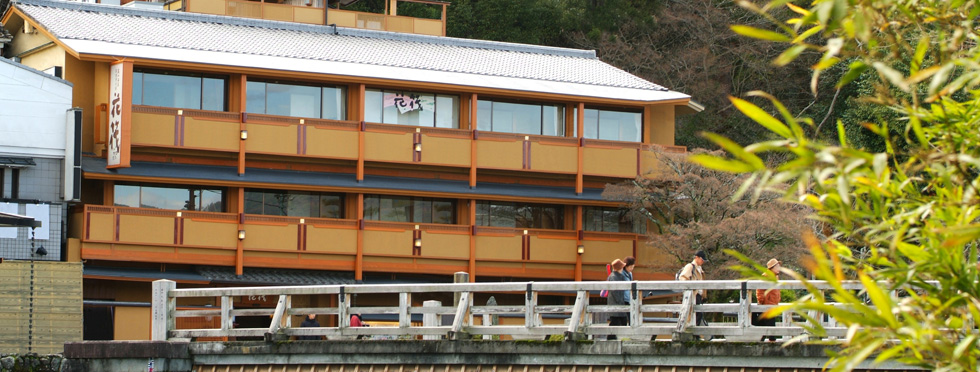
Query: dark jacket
{"x": 309, "y": 323}
{"x": 617, "y": 297}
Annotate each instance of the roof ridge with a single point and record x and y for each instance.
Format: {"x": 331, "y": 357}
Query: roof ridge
{"x": 319, "y": 29}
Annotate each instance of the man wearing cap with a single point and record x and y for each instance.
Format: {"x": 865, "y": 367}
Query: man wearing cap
{"x": 768, "y": 297}
{"x": 693, "y": 271}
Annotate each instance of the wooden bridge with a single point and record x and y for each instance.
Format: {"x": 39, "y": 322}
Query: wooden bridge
{"x": 577, "y": 320}
{"x": 460, "y": 336}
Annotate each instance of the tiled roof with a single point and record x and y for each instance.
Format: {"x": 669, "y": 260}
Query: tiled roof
{"x": 264, "y": 276}
{"x": 237, "y": 38}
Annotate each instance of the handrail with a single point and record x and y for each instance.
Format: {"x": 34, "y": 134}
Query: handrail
{"x": 579, "y": 316}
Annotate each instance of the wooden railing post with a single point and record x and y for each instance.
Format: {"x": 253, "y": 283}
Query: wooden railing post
{"x": 431, "y": 319}
{"x": 744, "y": 307}
{"x": 163, "y": 309}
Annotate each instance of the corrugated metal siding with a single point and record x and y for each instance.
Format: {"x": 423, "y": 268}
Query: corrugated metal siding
{"x": 57, "y": 306}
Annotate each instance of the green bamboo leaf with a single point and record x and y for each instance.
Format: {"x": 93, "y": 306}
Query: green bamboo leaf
{"x": 806, "y": 34}
{"x": 841, "y": 133}
{"x": 721, "y": 164}
{"x": 940, "y": 78}
{"x": 787, "y": 116}
{"x": 890, "y": 353}
{"x": 855, "y": 69}
{"x": 761, "y": 117}
{"x": 880, "y": 299}
{"x": 736, "y": 150}
{"x": 892, "y": 75}
{"x": 758, "y": 33}
{"x": 920, "y": 54}
{"x": 966, "y": 344}
{"x": 788, "y": 55}
{"x": 826, "y": 63}
{"x": 855, "y": 359}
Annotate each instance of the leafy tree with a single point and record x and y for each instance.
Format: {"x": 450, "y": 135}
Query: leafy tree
{"x": 906, "y": 218}
{"x": 690, "y": 208}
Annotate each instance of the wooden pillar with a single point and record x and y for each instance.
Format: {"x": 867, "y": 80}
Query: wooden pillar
{"x": 361, "y": 114}
{"x": 473, "y": 240}
{"x": 579, "y": 179}
{"x": 580, "y": 234}
{"x": 474, "y": 137}
{"x": 240, "y": 248}
{"x": 359, "y": 258}
{"x": 241, "y": 106}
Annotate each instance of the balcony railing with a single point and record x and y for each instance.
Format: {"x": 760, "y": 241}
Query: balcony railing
{"x": 169, "y": 236}
{"x": 313, "y": 12}
{"x": 320, "y": 138}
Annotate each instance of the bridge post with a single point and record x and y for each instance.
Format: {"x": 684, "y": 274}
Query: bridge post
{"x": 163, "y": 308}
{"x": 459, "y": 277}
{"x": 431, "y": 319}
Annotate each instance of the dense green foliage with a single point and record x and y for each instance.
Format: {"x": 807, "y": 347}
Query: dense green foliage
{"x": 905, "y": 216}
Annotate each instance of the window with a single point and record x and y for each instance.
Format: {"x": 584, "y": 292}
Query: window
{"x": 411, "y": 108}
{"x": 608, "y": 219}
{"x": 169, "y": 197}
{"x": 409, "y": 209}
{"x": 294, "y": 203}
{"x": 305, "y": 101}
{"x": 177, "y": 90}
{"x": 613, "y": 125}
{"x": 493, "y": 116}
{"x": 520, "y": 215}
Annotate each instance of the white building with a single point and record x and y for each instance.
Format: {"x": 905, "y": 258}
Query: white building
{"x": 38, "y": 158}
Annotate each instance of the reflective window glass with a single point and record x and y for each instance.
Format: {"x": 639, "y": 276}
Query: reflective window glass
{"x": 520, "y": 215}
{"x": 126, "y": 196}
{"x": 521, "y": 118}
{"x": 610, "y": 219}
{"x": 293, "y": 203}
{"x": 409, "y": 209}
{"x": 168, "y": 197}
{"x": 411, "y": 108}
{"x": 305, "y": 101}
{"x": 189, "y": 91}
{"x": 613, "y": 125}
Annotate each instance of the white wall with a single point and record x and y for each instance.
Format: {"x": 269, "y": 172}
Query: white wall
{"x": 33, "y": 109}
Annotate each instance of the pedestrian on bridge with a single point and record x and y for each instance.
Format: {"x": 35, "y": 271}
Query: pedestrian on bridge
{"x": 630, "y": 263}
{"x": 769, "y": 296}
{"x": 693, "y": 271}
{"x": 617, "y": 297}
{"x": 310, "y": 321}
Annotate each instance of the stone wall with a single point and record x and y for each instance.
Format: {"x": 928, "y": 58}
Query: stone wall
{"x": 32, "y": 363}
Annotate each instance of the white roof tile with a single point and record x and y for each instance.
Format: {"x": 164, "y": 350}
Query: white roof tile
{"x": 141, "y": 33}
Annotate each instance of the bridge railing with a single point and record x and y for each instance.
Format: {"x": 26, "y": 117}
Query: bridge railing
{"x": 579, "y": 316}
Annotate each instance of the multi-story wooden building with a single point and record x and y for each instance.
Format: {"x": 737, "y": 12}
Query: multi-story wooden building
{"x": 221, "y": 148}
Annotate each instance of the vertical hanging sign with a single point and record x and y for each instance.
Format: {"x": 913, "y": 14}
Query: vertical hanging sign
{"x": 120, "y": 107}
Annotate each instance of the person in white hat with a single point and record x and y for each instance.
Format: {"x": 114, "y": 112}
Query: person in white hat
{"x": 768, "y": 297}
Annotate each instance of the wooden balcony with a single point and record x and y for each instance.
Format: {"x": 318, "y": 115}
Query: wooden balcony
{"x": 387, "y": 143}
{"x": 313, "y": 12}
{"x": 391, "y": 23}
{"x": 168, "y": 236}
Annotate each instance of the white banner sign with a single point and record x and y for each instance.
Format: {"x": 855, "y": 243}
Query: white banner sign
{"x": 114, "y": 138}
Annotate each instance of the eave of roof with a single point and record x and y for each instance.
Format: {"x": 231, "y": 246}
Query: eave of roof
{"x": 96, "y": 168}
{"x": 318, "y": 50}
